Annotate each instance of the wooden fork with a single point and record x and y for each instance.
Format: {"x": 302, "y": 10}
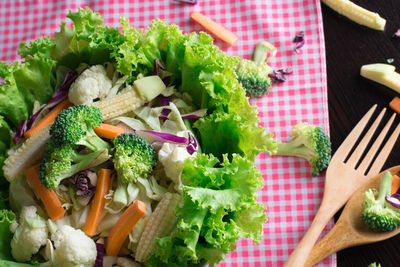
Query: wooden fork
{"x": 349, "y": 230}
{"x": 343, "y": 178}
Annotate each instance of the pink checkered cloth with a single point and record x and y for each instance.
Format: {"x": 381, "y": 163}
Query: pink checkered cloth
{"x": 291, "y": 194}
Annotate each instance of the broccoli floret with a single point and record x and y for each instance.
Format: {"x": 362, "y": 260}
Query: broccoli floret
{"x": 73, "y": 145}
{"x": 75, "y": 126}
{"x": 133, "y": 157}
{"x": 377, "y": 214}
{"x": 253, "y": 74}
{"x": 374, "y": 264}
{"x": 60, "y": 163}
{"x": 309, "y": 142}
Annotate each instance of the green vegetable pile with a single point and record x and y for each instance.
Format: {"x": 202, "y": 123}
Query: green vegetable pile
{"x": 219, "y": 185}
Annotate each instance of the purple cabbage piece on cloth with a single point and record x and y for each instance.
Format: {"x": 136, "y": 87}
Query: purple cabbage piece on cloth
{"x": 299, "y": 40}
{"x": 279, "y": 75}
{"x": 192, "y": 2}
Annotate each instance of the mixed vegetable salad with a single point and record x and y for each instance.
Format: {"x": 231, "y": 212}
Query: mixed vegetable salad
{"x": 126, "y": 145}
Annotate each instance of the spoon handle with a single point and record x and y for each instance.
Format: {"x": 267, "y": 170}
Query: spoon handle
{"x": 300, "y": 254}
{"x": 338, "y": 238}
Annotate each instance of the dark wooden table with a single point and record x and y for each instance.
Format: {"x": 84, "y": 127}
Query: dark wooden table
{"x": 348, "y": 47}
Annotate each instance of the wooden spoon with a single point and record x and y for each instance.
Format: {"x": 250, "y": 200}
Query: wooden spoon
{"x": 349, "y": 230}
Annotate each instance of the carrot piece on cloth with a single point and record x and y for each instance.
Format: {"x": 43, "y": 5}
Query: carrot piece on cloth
{"x": 124, "y": 226}
{"x": 98, "y": 202}
{"x": 49, "y": 118}
{"x": 108, "y": 131}
{"x": 49, "y": 198}
{"x": 218, "y": 30}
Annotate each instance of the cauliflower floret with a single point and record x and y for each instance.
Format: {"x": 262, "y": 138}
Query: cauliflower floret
{"x": 29, "y": 235}
{"x": 91, "y": 84}
{"x": 72, "y": 248}
{"x": 172, "y": 156}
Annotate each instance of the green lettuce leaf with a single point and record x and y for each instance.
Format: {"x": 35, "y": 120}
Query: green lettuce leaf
{"x": 35, "y": 78}
{"x": 5, "y": 143}
{"x": 87, "y": 42}
{"x": 219, "y": 207}
{"x": 222, "y": 132}
{"x": 6, "y": 218}
{"x": 12, "y": 104}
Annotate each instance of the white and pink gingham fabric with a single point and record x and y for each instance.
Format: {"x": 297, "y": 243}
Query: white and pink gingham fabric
{"x": 291, "y": 194}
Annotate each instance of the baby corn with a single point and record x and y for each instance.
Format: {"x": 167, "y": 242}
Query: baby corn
{"x": 160, "y": 224}
{"x": 27, "y": 154}
{"x": 357, "y": 13}
{"x": 116, "y": 106}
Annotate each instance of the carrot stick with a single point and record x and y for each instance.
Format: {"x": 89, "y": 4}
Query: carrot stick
{"x": 108, "y": 131}
{"x": 395, "y": 104}
{"x": 49, "y": 118}
{"x": 218, "y": 30}
{"x": 98, "y": 202}
{"x": 49, "y": 198}
{"x": 124, "y": 226}
{"x": 395, "y": 184}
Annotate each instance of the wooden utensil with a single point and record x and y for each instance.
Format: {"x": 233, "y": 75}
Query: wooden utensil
{"x": 349, "y": 230}
{"x": 343, "y": 178}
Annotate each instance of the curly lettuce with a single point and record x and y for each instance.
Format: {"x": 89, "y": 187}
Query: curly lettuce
{"x": 219, "y": 207}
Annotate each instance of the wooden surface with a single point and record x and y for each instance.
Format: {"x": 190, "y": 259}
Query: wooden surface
{"x": 348, "y": 47}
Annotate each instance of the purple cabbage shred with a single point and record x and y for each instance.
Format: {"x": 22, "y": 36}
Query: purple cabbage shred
{"x": 192, "y": 115}
{"x": 192, "y": 146}
{"x": 85, "y": 184}
{"x": 394, "y": 200}
{"x": 158, "y": 64}
{"x": 279, "y": 75}
{"x": 299, "y": 40}
{"x": 100, "y": 255}
{"x": 157, "y": 137}
{"x": 192, "y": 2}
{"x": 164, "y": 100}
{"x": 57, "y": 98}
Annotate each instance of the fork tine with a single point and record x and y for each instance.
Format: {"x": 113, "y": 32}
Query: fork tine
{"x": 383, "y": 155}
{"x": 374, "y": 148}
{"x": 356, "y": 155}
{"x": 351, "y": 139}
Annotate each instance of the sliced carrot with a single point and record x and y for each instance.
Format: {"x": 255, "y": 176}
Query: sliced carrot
{"x": 124, "y": 226}
{"x": 395, "y": 104}
{"x": 218, "y": 30}
{"x": 108, "y": 131}
{"x": 98, "y": 202}
{"x": 49, "y": 118}
{"x": 49, "y": 198}
{"x": 395, "y": 184}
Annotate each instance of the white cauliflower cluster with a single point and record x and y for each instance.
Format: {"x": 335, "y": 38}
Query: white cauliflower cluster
{"x": 172, "y": 157}
{"x": 29, "y": 234}
{"x": 72, "y": 248}
{"x": 93, "y": 83}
